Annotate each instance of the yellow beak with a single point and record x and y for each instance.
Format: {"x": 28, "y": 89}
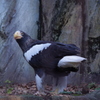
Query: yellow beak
{"x": 18, "y": 35}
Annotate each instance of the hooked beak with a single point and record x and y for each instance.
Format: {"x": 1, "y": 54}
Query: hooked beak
{"x": 18, "y": 35}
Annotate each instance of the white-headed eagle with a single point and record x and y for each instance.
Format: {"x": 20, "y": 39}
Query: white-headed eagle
{"x": 49, "y": 58}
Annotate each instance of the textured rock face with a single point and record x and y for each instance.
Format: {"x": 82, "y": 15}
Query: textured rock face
{"x": 75, "y": 21}
{"x": 66, "y": 21}
{"x": 94, "y": 35}
{"x": 16, "y": 15}
{"x": 73, "y": 28}
{"x": 93, "y": 28}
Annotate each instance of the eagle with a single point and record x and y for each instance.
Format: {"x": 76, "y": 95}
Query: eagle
{"x": 49, "y": 58}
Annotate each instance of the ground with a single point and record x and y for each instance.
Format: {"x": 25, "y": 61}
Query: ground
{"x": 30, "y": 89}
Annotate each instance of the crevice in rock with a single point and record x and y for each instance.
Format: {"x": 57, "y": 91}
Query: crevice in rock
{"x": 40, "y": 22}
{"x": 59, "y": 17}
{"x": 7, "y": 19}
{"x": 3, "y": 35}
{"x": 84, "y": 26}
{"x": 83, "y": 48}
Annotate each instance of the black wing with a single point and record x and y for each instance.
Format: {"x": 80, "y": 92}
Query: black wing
{"x": 62, "y": 50}
{"x": 48, "y": 58}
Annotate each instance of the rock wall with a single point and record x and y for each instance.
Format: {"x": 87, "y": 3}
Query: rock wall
{"x": 75, "y": 21}
{"x": 16, "y": 15}
{"x": 66, "y": 21}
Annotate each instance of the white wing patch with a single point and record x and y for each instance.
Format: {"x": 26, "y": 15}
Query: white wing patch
{"x": 35, "y": 50}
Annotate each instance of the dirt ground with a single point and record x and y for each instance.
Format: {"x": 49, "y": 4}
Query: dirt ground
{"x": 30, "y": 89}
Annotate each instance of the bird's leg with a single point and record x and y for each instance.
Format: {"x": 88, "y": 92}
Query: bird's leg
{"x": 40, "y": 90}
{"x": 40, "y": 85}
{"x": 59, "y": 84}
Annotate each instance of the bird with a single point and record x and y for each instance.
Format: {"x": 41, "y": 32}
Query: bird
{"x": 49, "y": 58}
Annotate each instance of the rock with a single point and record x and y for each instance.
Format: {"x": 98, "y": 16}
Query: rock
{"x": 76, "y": 22}
{"x": 73, "y": 28}
{"x": 95, "y": 64}
{"x": 16, "y": 15}
{"x": 85, "y": 89}
{"x": 66, "y": 21}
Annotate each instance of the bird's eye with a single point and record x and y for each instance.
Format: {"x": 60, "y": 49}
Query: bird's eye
{"x": 22, "y": 33}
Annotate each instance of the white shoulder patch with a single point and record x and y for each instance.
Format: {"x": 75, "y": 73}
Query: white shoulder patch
{"x": 35, "y": 50}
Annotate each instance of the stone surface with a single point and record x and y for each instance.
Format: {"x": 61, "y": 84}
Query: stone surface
{"x": 95, "y": 67}
{"x": 75, "y": 21}
{"x": 94, "y": 36}
{"x": 16, "y": 15}
{"x": 73, "y": 28}
{"x": 65, "y": 25}
{"x": 66, "y": 21}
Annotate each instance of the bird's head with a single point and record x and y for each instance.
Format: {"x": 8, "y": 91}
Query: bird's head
{"x": 23, "y": 39}
{"x": 19, "y": 35}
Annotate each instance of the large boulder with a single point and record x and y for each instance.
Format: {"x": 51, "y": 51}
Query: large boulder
{"x": 16, "y": 15}
{"x": 66, "y": 21}
{"x": 76, "y": 22}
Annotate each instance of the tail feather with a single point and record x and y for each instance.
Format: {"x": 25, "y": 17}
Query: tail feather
{"x": 70, "y": 61}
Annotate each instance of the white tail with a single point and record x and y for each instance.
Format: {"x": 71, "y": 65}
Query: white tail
{"x": 70, "y": 61}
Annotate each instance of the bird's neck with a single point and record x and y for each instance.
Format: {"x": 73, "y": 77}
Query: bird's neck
{"x": 25, "y": 44}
